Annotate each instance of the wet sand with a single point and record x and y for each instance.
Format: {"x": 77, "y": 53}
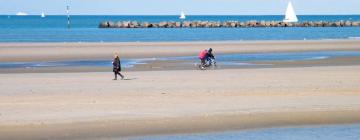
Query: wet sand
{"x": 42, "y": 52}
{"x": 168, "y": 65}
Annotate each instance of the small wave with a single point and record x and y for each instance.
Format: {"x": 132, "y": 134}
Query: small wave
{"x": 48, "y": 65}
{"x": 318, "y": 58}
{"x": 131, "y": 64}
{"x": 328, "y": 39}
{"x": 355, "y": 37}
{"x": 241, "y": 64}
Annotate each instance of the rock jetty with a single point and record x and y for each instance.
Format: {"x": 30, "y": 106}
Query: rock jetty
{"x": 226, "y": 24}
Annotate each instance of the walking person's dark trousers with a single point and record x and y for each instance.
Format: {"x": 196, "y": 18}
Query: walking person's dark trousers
{"x": 117, "y": 72}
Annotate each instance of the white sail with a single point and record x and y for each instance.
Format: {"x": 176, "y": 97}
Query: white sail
{"x": 182, "y": 15}
{"x": 290, "y": 15}
{"x": 42, "y": 14}
{"x": 21, "y": 14}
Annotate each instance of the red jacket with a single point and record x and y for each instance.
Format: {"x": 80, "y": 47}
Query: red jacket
{"x": 202, "y": 54}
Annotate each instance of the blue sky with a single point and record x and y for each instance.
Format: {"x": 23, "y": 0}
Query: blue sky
{"x": 173, "y": 7}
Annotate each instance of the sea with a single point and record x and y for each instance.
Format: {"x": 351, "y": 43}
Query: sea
{"x": 84, "y": 28}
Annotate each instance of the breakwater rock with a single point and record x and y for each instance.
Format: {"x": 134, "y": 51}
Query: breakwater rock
{"x": 226, "y": 24}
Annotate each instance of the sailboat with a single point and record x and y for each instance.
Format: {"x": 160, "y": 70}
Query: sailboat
{"x": 290, "y": 15}
{"x": 182, "y": 15}
{"x": 42, "y": 14}
{"x": 21, "y": 14}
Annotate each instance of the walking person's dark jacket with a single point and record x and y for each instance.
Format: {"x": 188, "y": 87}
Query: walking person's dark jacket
{"x": 116, "y": 64}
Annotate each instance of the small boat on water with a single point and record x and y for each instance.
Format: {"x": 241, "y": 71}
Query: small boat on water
{"x": 21, "y": 14}
{"x": 290, "y": 15}
{"x": 43, "y": 15}
{"x": 182, "y": 16}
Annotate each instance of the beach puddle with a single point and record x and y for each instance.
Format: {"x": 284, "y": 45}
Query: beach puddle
{"x": 127, "y": 63}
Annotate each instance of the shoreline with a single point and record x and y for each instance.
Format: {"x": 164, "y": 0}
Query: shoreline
{"x": 27, "y": 52}
{"x": 168, "y": 65}
{"x": 184, "y": 42}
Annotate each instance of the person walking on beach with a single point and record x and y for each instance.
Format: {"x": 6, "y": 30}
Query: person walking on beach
{"x": 117, "y": 67}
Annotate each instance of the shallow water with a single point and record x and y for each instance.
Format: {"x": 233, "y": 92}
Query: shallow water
{"x": 279, "y": 56}
{"x": 128, "y": 63}
{"x": 85, "y": 29}
{"x": 329, "y": 132}
{"x": 226, "y": 59}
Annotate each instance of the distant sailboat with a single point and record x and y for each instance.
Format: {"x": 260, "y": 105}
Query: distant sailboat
{"x": 182, "y": 15}
{"x": 290, "y": 15}
{"x": 43, "y": 15}
{"x": 21, "y": 14}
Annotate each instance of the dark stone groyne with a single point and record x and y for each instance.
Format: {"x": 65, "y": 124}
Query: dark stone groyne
{"x": 227, "y": 24}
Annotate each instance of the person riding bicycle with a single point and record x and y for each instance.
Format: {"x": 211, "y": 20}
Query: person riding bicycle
{"x": 202, "y": 57}
{"x": 206, "y": 56}
{"x": 209, "y": 55}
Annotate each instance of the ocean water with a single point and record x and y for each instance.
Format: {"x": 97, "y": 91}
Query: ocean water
{"x": 85, "y": 29}
{"x": 330, "y": 132}
{"x": 223, "y": 59}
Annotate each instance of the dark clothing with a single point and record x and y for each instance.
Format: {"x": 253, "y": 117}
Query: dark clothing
{"x": 118, "y": 73}
{"x": 203, "y": 61}
{"x": 210, "y": 55}
{"x": 117, "y": 67}
{"x": 116, "y": 64}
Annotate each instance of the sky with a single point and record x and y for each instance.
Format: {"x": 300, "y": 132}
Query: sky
{"x": 174, "y": 7}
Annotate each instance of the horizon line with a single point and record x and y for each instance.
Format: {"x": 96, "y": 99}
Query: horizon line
{"x": 178, "y": 15}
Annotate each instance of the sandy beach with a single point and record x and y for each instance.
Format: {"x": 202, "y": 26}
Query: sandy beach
{"x": 89, "y": 105}
{"x": 24, "y": 52}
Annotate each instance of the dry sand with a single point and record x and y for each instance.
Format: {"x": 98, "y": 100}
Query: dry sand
{"x": 91, "y": 105}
